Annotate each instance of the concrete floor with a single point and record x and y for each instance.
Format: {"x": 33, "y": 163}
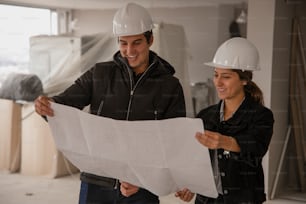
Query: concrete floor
{"x": 20, "y": 189}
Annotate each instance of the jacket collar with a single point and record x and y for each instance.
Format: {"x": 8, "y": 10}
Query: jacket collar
{"x": 239, "y": 114}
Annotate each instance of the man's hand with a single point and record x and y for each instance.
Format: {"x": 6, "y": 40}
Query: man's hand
{"x": 43, "y": 106}
{"x": 128, "y": 189}
{"x": 185, "y": 195}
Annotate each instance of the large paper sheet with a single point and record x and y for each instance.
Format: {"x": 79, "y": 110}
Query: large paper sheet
{"x": 161, "y": 156}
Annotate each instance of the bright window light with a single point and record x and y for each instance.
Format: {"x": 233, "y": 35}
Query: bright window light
{"x": 17, "y": 25}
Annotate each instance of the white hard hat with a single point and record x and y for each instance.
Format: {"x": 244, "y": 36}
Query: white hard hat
{"x": 236, "y": 53}
{"x": 132, "y": 19}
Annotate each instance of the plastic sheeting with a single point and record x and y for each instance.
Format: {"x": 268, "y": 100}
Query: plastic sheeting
{"x": 25, "y": 87}
{"x": 59, "y": 60}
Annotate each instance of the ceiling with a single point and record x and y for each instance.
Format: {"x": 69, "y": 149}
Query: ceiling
{"x": 113, "y": 4}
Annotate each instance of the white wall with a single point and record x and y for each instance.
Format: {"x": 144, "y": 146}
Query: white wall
{"x": 260, "y": 30}
{"x": 271, "y": 33}
{"x": 201, "y": 26}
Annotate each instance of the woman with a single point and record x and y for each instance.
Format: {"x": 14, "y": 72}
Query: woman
{"x": 238, "y": 129}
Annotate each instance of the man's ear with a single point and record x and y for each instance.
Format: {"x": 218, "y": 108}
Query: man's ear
{"x": 151, "y": 40}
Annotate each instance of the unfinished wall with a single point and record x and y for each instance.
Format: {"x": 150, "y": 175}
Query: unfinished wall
{"x": 271, "y": 33}
{"x": 260, "y": 31}
{"x": 280, "y": 85}
{"x": 292, "y": 173}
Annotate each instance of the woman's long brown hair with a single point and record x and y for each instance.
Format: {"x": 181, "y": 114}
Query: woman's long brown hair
{"x": 251, "y": 87}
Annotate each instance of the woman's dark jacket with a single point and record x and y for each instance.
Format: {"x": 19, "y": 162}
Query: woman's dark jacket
{"x": 241, "y": 173}
{"x": 111, "y": 91}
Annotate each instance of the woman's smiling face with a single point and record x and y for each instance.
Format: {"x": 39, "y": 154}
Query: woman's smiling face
{"x": 228, "y": 84}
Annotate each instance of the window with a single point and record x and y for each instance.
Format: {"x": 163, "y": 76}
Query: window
{"x": 17, "y": 25}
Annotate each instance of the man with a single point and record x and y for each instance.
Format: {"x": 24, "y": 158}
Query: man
{"x": 136, "y": 85}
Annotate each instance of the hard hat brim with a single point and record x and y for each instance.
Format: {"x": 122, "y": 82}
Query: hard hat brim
{"x": 214, "y": 65}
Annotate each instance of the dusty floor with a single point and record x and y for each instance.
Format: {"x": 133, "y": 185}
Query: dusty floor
{"x": 20, "y": 189}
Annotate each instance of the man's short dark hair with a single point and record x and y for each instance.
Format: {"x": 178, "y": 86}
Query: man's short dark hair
{"x": 148, "y": 35}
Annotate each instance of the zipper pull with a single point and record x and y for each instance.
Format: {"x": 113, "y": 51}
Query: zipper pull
{"x": 116, "y": 184}
{"x": 132, "y": 92}
{"x": 155, "y": 114}
{"x": 227, "y": 154}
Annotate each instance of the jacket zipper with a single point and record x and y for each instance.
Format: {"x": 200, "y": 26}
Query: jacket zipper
{"x": 133, "y": 88}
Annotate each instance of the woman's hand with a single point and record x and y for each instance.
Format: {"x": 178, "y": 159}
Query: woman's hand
{"x": 215, "y": 140}
{"x": 128, "y": 189}
{"x": 185, "y": 195}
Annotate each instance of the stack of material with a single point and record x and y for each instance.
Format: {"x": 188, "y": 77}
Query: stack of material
{"x": 39, "y": 154}
{"x": 26, "y": 143}
{"x": 10, "y": 129}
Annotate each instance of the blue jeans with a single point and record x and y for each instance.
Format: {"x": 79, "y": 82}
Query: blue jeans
{"x": 94, "y": 194}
